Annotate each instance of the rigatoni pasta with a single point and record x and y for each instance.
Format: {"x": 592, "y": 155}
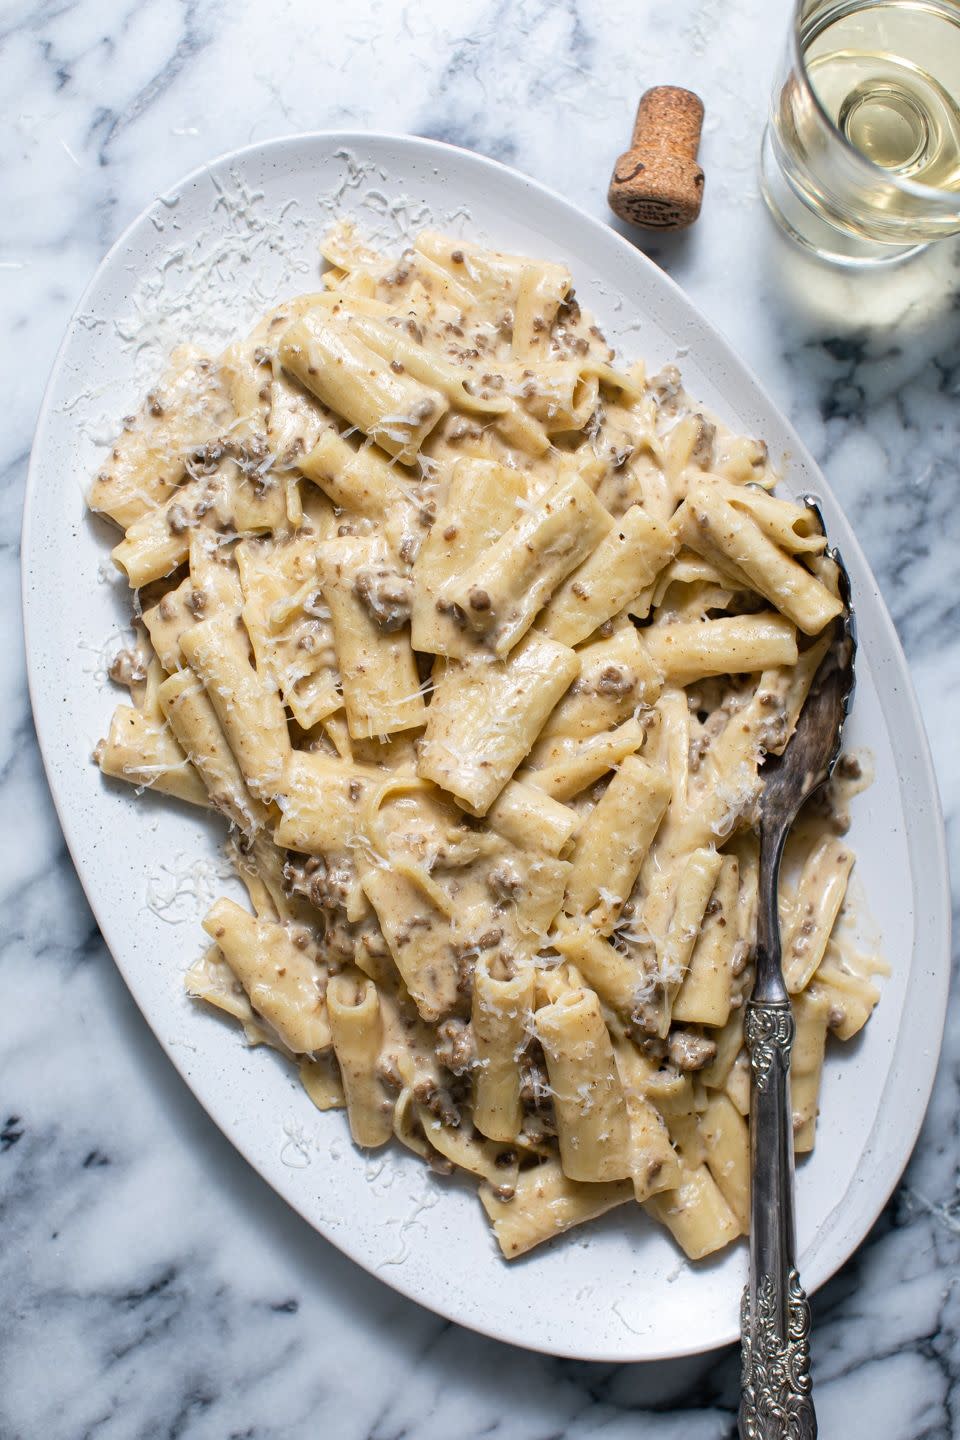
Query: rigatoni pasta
{"x": 477, "y": 643}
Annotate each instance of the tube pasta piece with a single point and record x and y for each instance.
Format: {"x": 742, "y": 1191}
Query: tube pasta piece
{"x": 417, "y": 360}
{"x": 289, "y": 625}
{"x": 410, "y": 356}
{"x": 407, "y": 1127}
{"x": 194, "y": 723}
{"x": 514, "y": 428}
{"x": 844, "y": 981}
{"x": 729, "y": 784}
{"x": 338, "y": 735}
{"x": 187, "y": 409}
{"x": 707, "y": 989}
{"x": 378, "y": 673}
{"x": 531, "y": 819}
{"x": 323, "y": 803}
{"x": 320, "y": 1078}
{"x": 141, "y": 750}
{"x": 247, "y": 383}
{"x": 794, "y": 528}
{"x": 678, "y": 1101}
{"x": 342, "y": 247}
{"x": 727, "y": 1141}
{"x": 260, "y": 866}
{"x": 394, "y": 752}
{"x": 617, "y": 677}
{"x": 392, "y": 344}
{"x": 629, "y": 558}
{"x": 688, "y": 569}
{"x": 282, "y": 979}
{"x": 481, "y": 505}
{"x": 696, "y": 1214}
{"x": 560, "y": 394}
{"x": 742, "y": 458}
{"x": 536, "y": 886}
{"x": 394, "y": 410}
{"x": 685, "y": 1133}
{"x": 690, "y": 442}
{"x": 420, "y": 937}
{"x": 259, "y": 883}
{"x": 485, "y": 715}
{"x": 356, "y": 1029}
{"x": 567, "y": 767}
{"x": 547, "y": 1203}
{"x": 693, "y": 890}
{"x": 493, "y": 278}
{"x": 782, "y": 694}
{"x": 359, "y": 481}
{"x": 557, "y": 982}
{"x": 235, "y": 497}
{"x": 669, "y": 747}
{"x": 733, "y": 645}
{"x": 294, "y": 423}
{"x": 655, "y": 1163}
{"x": 210, "y": 979}
{"x": 247, "y": 366}
{"x": 605, "y": 969}
{"x": 500, "y": 594}
{"x": 588, "y": 1098}
{"x": 159, "y": 541}
{"x": 820, "y": 894}
{"x": 258, "y": 489}
{"x": 748, "y": 855}
{"x": 248, "y": 708}
{"x": 213, "y": 584}
{"x": 614, "y": 840}
{"x": 711, "y": 526}
{"x": 464, "y": 1147}
{"x": 408, "y": 1056}
{"x": 540, "y": 290}
{"x": 671, "y": 1092}
{"x": 502, "y": 1010}
{"x": 737, "y": 1084}
{"x": 438, "y": 282}
{"x": 810, "y": 1013}
{"x": 729, "y": 1042}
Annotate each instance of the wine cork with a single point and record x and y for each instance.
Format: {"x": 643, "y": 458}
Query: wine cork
{"x": 657, "y": 183}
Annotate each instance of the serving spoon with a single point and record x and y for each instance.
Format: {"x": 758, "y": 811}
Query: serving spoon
{"x": 776, "y": 1394}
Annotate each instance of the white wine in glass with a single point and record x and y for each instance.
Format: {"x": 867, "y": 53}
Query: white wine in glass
{"x": 861, "y": 159}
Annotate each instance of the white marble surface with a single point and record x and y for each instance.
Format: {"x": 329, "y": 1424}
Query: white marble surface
{"x": 151, "y": 1285}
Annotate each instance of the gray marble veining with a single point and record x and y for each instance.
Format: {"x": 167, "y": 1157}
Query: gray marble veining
{"x": 152, "y": 1286}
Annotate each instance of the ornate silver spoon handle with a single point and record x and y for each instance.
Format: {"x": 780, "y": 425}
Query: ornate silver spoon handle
{"x": 776, "y": 1401}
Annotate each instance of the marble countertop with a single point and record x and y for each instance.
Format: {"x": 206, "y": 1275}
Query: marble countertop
{"x": 151, "y": 1284}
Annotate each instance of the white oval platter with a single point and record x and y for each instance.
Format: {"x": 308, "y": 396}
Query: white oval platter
{"x": 202, "y": 263}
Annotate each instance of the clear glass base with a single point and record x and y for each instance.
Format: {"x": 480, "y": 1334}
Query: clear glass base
{"x": 816, "y": 234}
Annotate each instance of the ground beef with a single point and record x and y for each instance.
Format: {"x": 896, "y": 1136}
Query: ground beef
{"x": 127, "y": 668}
{"x": 504, "y": 883}
{"x": 386, "y": 594}
{"x": 326, "y": 886}
{"x": 455, "y": 1047}
{"x": 702, "y": 452}
{"x": 667, "y": 388}
{"x": 690, "y": 1051}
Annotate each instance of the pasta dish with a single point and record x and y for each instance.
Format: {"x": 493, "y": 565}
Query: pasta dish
{"x": 477, "y": 640}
